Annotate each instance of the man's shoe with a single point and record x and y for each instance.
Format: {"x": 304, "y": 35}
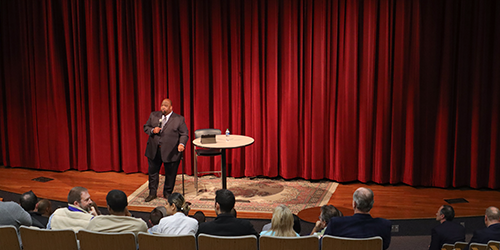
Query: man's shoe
{"x": 150, "y": 197}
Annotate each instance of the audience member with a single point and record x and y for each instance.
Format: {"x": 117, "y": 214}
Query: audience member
{"x": 492, "y": 230}
{"x": 234, "y": 213}
{"x": 154, "y": 218}
{"x": 44, "y": 207}
{"x": 119, "y": 218}
{"x": 13, "y": 214}
{"x": 78, "y": 213}
{"x": 327, "y": 212}
{"x": 296, "y": 225}
{"x": 226, "y": 224}
{"x": 448, "y": 231}
{"x": 281, "y": 223}
{"x": 361, "y": 224}
{"x": 199, "y": 216}
{"x": 28, "y": 202}
{"x": 177, "y": 223}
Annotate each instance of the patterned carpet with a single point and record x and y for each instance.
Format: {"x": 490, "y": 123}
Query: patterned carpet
{"x": 252, "y": 194}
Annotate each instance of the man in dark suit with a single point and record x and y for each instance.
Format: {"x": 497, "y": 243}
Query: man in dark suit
{"x": 361, "y": 224}
{"x": 226, "y": 224}
{"x": 447, "y": 232}
{"x": 168, "y": 135}
{"x": 492, "y": 230}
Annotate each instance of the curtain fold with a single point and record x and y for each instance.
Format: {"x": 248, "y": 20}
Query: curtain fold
{"x": 378, "y": 91}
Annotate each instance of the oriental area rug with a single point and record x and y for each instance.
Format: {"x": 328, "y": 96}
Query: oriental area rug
{"x": 252, "y": 194}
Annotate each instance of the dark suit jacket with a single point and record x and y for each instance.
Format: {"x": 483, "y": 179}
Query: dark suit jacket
{"x": 446, "y": 232}
{"x": 173, "y": 133}
{"x": 38, "y": 220}
{"x": 486, "y": 234}
{"x": 360, "y": 226}
{"x": 227, "y": 225}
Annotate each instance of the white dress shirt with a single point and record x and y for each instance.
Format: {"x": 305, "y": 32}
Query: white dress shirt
{"x": 178, "y": 224}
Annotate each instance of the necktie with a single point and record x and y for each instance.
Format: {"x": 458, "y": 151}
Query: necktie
{"x": 163, "y": 121}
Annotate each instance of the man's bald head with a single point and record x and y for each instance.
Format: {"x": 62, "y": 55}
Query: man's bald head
{"x": 493, "y": 214}
{"x": 363, "y": 199}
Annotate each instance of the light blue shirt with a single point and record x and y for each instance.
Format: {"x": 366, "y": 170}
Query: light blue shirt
{"x": 272, "y": 233}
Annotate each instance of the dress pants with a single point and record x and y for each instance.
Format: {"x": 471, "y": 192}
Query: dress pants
{"x": 154, "y": 174}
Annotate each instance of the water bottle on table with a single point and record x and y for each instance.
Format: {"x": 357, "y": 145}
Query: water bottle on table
{"x": 227, "y": 134}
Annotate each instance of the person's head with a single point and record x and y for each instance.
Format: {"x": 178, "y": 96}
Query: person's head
{"x": 166, "y": 106}
{"x": 44, "y": 207}
{"x": 282, "y": 221}
{"x": 117, "y": 201}
{"x": 28, "y": 201}
{"x": 156, "y": 214}
{"x": 177, "y": 203}
{"x": 445, "y": 213}
{"x": 199, "y": 216}
{"x": 296, "y": 224}
{"x": 362, "y": 200}
{"x": 224, "y": 201}
{"x": 492, "y": 216}
{"x": 80, "y": 197}
{"x": 328, "y": 212}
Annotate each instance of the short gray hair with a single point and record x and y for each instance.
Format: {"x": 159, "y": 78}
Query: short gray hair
{"x": 492, "y": 213}
{"x": 363, "y": 197}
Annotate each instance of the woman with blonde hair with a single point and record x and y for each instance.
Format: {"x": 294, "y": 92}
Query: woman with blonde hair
{"x": 281, "y": 223}
{"x": 177, "y": 222}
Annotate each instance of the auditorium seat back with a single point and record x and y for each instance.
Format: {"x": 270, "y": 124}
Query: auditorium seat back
{"x": 44, "y": 239}
{"x": 8, "y": 238}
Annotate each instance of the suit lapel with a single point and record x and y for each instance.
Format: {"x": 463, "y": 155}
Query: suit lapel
{"x": 169, "y": 122}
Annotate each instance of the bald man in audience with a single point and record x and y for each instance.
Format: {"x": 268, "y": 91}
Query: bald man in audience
{"x": 361, "y": 224}
{"x": 78, "y": 213}
{"x": 492, "y": 230}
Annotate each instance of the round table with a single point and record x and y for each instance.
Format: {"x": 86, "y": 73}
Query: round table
{"x": 235, "y": 141}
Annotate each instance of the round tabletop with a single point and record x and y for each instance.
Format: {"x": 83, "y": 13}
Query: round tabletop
{"x": 235, "y": 141}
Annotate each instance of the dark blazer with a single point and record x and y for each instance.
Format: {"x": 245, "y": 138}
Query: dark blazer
{"x": 227, "y": 225}
{"x": 172, "y": 134}
{"x": 486, "y": 234}
{"x": 360, "y": 226}
{"x": 447, "y": 232}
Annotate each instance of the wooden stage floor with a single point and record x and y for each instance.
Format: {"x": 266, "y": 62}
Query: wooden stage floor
{"x": 391, "y": 201}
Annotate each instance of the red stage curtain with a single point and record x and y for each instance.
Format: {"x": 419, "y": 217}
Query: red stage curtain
{"x": 377, "y": 91}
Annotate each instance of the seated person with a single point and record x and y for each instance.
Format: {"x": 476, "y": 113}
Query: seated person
{"x": 154, "y": 218}
{"x": 120, "y": 219}
{"x": 492, "y": 230}
{"x": 281, "y": 223}
{"x": 78, "y": 213}
{"x": 327, "y": 212}
{"x": 296, "y": 225}
{"x": 177, "y": 222}
{"x": 448, "y": 232}
{"x": 361, "y": 224}
{"x": 44, "y": 207}
{"x": 28, "y": 202}
{"x": 226, "y": 224}
{"x": 13, "y": 214}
